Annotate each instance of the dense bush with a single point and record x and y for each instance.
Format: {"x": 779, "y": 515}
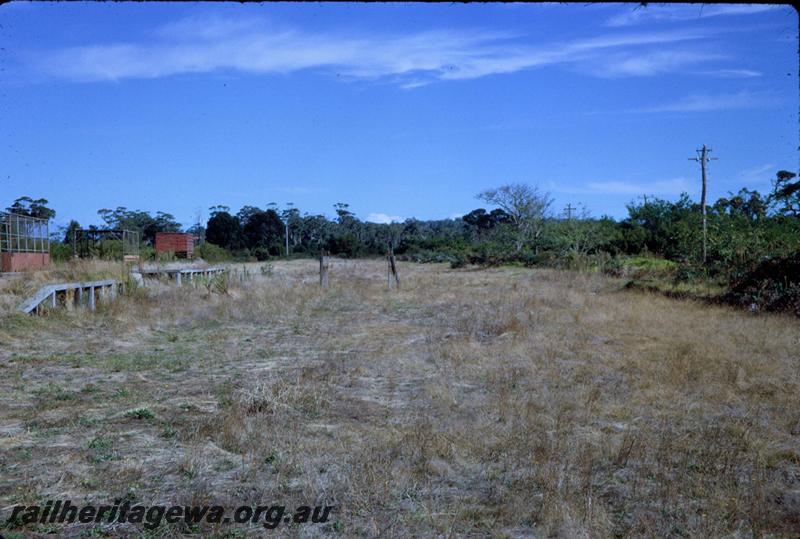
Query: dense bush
{"x": 774, "y": 285}
{"x": 261, "y": 253}
{"x": 60, "y": 252}
{"x": 344, "y": 245}
{"x": 212, "y": 253}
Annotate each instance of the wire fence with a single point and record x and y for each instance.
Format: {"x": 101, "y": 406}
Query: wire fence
{"x": 24, "y": 234}
{"x": 109, "y": 244}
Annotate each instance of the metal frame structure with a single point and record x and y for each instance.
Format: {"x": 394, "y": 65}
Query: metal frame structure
{"x": 24, "y": 234}
{"x": 85, "y": 239}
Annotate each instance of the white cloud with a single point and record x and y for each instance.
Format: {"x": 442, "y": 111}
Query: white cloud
{"x": 666, "y": 187}
{"x": 656, "y": 13}
{"x": 705, "y": 103}
{"x": 732, "y": 73}
{"x": 673, "y": 186}
{"x": 410, "y": 85}
{"x": 648, "y": 64}
{"x": 207, "y": 27}
{"x": 761, "y": 174}
{"x": 201, "y": 45}
{"x": 384, "y": 218}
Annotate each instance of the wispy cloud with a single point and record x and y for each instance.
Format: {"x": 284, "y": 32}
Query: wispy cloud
{"x": 649, "y": 63}
{"x": 202, "y": 45}
{"x": 384, "y": 218}
{"x": 656, "y": 13}
{"x": 732, "y": 73}
{"x": 706, "y": 103}
{"x": 761, "y": 174}
{"x": 673, "y": 186}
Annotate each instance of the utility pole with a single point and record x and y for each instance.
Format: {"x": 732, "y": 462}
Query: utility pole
{"x": 703, "y": 158}
{"x": 568, "y": 210}
{"x": 287, "y": 214}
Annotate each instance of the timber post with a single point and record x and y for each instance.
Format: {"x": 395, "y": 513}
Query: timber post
{"x": 392, "y": 269}
{"x": 323, "y": 270}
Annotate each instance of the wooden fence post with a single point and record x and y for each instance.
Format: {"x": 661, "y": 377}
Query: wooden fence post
{"x": 323, "y": 270}
{"x": 392, "y": 270}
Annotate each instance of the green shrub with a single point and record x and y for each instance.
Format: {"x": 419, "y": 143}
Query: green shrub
{"x": 146, "y": 252}
{"x": 140, "y": 413}
{"x": 774, "y": 285}
{"x": 261, "y": 253}
{"x": 458, "y": 261}
{"x": 219, "y": 283}
{"x": 166, "y": 256}
{"x": 688, "y": 272}
{"x": 60, "y": 252}
{"x": 212, "y": 253}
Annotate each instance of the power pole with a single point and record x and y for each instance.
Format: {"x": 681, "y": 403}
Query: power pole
{"x": 568, "y": 210}
{"x": 703, "y": 158}
{"x": 287, "y": 214}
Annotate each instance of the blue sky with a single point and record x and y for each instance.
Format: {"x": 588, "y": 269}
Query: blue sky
{"x": 400, "y": 110}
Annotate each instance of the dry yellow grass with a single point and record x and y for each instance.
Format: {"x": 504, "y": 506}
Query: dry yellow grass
{"x": 502, "y": 402}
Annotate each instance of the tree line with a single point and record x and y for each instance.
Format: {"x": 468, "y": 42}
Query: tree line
{"x": 519, "y": 225}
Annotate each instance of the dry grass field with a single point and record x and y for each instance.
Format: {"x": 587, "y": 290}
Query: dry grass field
{"x": 501, "y": 403}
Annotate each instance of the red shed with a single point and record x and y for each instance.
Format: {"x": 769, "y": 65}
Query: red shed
{"x": 180, "y": 244}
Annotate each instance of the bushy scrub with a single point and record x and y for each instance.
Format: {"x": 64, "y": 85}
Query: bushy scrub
{"x": 212, "y": 253}
{"x": 774, "y": 285}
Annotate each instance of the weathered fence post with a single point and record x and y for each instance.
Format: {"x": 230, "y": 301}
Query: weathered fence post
{"x": 323, "y": 270}
{"x": 392, "y": 270}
